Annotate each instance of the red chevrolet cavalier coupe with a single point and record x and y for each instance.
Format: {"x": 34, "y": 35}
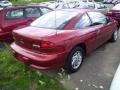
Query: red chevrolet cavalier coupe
{"x": 62, "y": 38}
{"x": 115, "y": 13}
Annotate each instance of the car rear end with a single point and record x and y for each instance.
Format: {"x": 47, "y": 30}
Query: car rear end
{"x": 115, "y": 13}
{"x": 38, "y": 52}
{"x": 2, "y": 34}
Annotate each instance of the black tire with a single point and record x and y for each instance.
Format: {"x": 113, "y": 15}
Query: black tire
{"x": 69, "y": 66}
{"x": 114, "y": 36}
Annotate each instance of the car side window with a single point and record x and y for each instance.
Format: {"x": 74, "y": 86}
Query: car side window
{"x": 91, "y": 6}
{"x": 19, "y": 13}
{"x": 97, "y": 18}
{"x": 45, "y": 10}
{"x": 83, "y": 22}
{"x": 103, "y": 6}
{"x": 98, "y": 6}
{"x": 32, "y": 12}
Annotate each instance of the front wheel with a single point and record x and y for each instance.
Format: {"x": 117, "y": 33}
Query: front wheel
{"x": 114, "y": 36}
{"x": 74, "y": 61}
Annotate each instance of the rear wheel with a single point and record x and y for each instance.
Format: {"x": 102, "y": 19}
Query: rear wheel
{"x": 114, "y": 36}
{"x": 74, "y": 61}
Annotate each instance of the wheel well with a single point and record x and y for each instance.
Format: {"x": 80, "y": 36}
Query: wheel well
{"x": 83, "y": 46}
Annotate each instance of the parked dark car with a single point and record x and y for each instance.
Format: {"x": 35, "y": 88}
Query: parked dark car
{"x": 64, "y": 38}
{"x": 18, "y": 16}
{"x": 115, "y": 13}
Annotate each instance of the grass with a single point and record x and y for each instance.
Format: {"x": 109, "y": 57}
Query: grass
{"x": 27, "y": 1}
{"x": 14, "y": 75}
{"x": 33, "y": 1}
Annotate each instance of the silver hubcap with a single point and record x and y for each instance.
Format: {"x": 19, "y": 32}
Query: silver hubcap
{"x": 115, "y": 35}
{"x": 76, "y": 60}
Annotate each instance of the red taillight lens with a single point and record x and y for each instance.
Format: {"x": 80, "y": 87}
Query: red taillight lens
{"x": 110, "y": 14}
{"x": 45, "y": 44}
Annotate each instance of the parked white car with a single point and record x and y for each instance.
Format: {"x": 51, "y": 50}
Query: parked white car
{"x": 115, "y": 85}
{"x": 116, "y": 1}
{"x": 55, "y": 6}
{"x": 63, "y": 5}
{"x": 5, "y": 3}
{"x": 94, "y": 5}
{"x": 47, "y": 3}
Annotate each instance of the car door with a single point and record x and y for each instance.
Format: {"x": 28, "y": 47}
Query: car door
{"x": 32, "y": 13}
{"x": 105, "y": 27}
{"x": 83, "y": 26}
{"x": 13, "y": 19}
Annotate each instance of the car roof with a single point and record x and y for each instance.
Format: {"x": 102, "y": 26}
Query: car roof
{"x": 23, "y": 6}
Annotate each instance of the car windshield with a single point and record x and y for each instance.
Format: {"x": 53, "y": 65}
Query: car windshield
{"x": 54, "y": 20}
{"x": 117, "y": 7}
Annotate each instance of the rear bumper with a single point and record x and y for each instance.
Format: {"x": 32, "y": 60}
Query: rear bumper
{"x": 38, "y": 60}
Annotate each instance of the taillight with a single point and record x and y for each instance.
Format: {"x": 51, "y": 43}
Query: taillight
{"x": 110, "y": 14}
{"x": 43, "y": 44}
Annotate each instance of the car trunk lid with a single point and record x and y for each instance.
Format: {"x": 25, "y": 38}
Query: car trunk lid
{"x": 114, "y": 13}
{"x": 32, "y": 37}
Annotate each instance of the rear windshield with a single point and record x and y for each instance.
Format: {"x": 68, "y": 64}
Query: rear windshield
{"x": 117, "y": 7}
{"x": 54, "y": 20}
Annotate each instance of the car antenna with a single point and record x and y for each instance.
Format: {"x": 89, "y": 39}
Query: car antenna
{"x": 55, "y": 16}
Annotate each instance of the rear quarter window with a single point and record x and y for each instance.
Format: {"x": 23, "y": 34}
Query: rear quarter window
{"x": 83, "y": 22}
{"x": 97, "y": 18}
